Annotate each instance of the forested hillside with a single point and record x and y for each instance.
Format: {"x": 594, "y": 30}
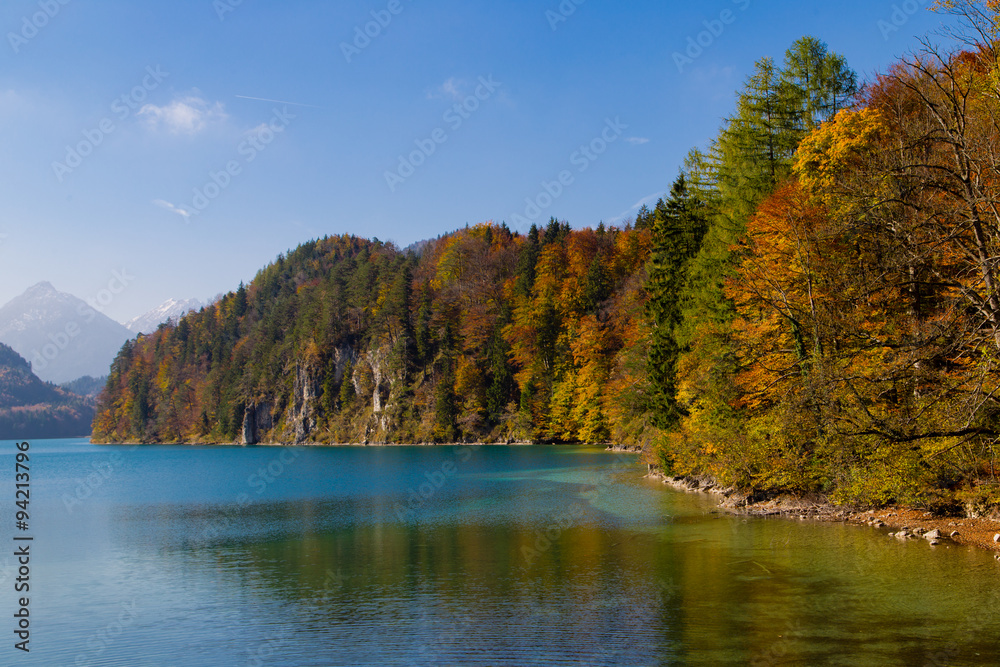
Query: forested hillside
{"x": 487, "y": 335}
{"x": 840, "y": 323}
{"x": 813, "y": 308}
{"x": 30, "y": 408}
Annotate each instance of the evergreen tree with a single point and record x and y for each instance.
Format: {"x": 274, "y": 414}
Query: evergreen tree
{"x": 678, "y": 229}
{"x": 240, "y": 303}
{"x": 818, "y": 83}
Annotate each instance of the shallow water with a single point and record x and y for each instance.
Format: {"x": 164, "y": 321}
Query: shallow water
{"x": 458, "y": 556}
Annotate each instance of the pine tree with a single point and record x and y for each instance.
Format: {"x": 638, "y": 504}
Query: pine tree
{"x": 678, "y": 229}
{"x": 240, "y": 303}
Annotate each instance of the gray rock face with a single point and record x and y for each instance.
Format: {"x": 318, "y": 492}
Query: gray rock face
{"x": 342, "y": 356}
{"x": 248, "y": 434}
{"x": 302, "y": 411}
{"x": 299, "y": 415}
{"x": 376, "y": 359}
{"x": 257, "y": 421}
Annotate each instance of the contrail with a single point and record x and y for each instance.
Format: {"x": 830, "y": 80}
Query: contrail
{"x": 264, "y": 99}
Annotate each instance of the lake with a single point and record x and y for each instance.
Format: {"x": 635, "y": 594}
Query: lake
{"x": 172, "y": 555}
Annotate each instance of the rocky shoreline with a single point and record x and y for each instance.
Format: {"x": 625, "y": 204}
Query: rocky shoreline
{"x": 628, "y": 449}
{"x": 900, "y": 523}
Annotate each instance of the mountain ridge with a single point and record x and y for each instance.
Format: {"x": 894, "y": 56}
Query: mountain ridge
{"x": 169, "y": 310}
{"x": 62, "y": 336}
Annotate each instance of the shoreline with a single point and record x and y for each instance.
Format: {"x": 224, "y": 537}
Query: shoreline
{"x": 517, "y": 443}
{"x": 900, "y": 523}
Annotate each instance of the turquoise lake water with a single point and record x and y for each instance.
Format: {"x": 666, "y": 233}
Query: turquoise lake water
{"x": 162, "y": 555}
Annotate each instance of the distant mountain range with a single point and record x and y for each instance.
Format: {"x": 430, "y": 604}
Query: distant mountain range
{"x": 30, "y": 408}
{"x": 169, "y": 310}
{"x": 86, "y": 386}
{"x": 61, "y": 336}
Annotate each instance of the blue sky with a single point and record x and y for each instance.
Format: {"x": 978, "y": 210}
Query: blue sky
{"x": 131, "y": 141}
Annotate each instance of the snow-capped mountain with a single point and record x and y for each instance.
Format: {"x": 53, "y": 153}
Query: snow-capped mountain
{"x": 62, "y": 336}
{"x": 171, "y": 309}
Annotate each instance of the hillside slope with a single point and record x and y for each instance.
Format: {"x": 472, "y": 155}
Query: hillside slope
{"x": 30, "y": 408}
{"x": 487, "y": 335}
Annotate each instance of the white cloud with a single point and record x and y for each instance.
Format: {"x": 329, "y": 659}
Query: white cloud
{"x": 12, "y": 102}
{"x": 637, "y": 141}
{"x": 645, "y": 201}
{"x": 718, "y": 82}
{"x": 186, "y": 115}
{"x": 173, "y": 209}
{"x": 449, "y": 89}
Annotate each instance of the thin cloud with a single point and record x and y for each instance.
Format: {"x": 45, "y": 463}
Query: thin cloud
{"x": 184, "y": 213}
{"x": 265, "y": 99}
{"x": 10, "y": 100}
{"x": 645, "y": 201}
{"x": 186, "y": 115}
{"x": 449, "y": 89}
{"x": 718, "y": 81}
{"x": 637, "y": 141}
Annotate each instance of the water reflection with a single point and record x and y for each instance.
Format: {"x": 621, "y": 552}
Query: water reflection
{"x": 521, "y": 556}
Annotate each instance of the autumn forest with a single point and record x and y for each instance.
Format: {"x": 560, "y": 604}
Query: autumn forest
{"x": 813, "y": 308}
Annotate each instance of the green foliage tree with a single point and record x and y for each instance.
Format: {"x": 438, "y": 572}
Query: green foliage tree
{"x": 678, "y": 229}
